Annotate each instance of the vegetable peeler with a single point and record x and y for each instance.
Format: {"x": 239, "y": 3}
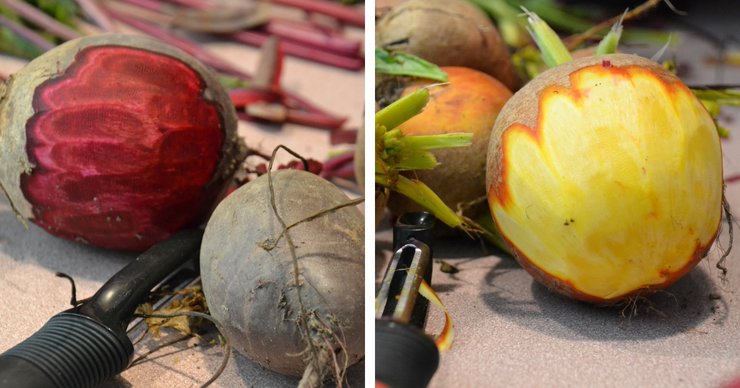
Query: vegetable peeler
{"x": 404, "y": 355}
{"x": 87, "y": 344}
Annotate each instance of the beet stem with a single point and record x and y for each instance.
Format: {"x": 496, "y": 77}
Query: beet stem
{"x": 346, "y": 172}
{"x": 339, "y": 161}
{"x": 196, "y": 4}
{"x": 243, "y": 97}
{"x": 300, "y": 112}
{"x": 26, "y": 33}
{"x": 97, "y": 15}
{"x": 42, "y": 20}
{"x": 146, "y": 4}
{"x": 257, "y": 38}
{"x": 313, "y": 119}
{"x": 297, "y": 102}
{"x": 343, "y": 136}
{"x": 309, "y": 35}
{"x": 143, "y": 12}
{"x": 340, "y": 12}
{"x": 270, "y": 64}
{"x": 181, "y": 43}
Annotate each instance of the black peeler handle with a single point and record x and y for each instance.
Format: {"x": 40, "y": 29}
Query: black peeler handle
{"x": 405, "y": 357}
{"x": 87, "y": 345}
{"x": 416, "y": 225}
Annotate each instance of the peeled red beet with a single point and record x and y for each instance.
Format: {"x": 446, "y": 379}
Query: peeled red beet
{"x": 117, "y": 141}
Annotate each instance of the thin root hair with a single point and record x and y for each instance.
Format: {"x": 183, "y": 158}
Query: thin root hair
{"x": 729, "y": 217}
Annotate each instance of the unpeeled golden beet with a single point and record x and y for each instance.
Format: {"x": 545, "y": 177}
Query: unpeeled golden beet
{"x": 469, "y": 103}
{"x": 447, "y": 33}
{"x": 605, "y": 177}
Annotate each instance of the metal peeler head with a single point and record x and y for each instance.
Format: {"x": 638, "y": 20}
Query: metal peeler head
{"x": 411, "y": 262}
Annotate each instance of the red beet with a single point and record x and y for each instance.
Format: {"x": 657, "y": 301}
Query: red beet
{"x": 116, "y": 141}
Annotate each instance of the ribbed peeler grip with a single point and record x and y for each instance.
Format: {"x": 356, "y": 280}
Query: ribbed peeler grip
{"x": 70, "y": 350}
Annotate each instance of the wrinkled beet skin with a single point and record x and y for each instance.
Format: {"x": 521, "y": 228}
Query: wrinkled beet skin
{"x": 124, "y": 146}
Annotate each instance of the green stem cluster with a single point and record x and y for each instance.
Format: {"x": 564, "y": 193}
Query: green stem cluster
{"x": 511, "y": 26}
{"x": 609, "y": 43}
{"x": 405, "y": 64}
{"x": 395, "y": 152}
{"x": 714, "y": 99}
{"x": 553, "y": 50}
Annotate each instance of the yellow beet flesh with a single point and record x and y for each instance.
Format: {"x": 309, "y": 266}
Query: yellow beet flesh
{"x": 615, "y": 189}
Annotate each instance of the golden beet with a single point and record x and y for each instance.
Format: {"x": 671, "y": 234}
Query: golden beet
{"x": 447, "y": 33}
{"x": 470, "y": 103}
{"x": 605, "y": 177}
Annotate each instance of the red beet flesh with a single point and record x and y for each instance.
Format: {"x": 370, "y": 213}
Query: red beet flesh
{"x": 125, "y": 148}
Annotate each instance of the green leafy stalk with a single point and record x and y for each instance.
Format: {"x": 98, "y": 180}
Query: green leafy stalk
{"x": 730, "y": 97}
{"x": 553, "y": 50}
{"x": 712, "y": 107}
{"x": 406, "y": 153}
{"x": 424, "y": 196}
{"x": 403, "y": 109}
{"x": 556, "y": 14}
{"x": 609, "y": 43}
{"x": 512, "y": 28}
{"x": 410, "y": 152}
{"x": 395, "y": 152}
{"x": 714, "y": 99}
{"x": 231, "y": 82}
{"x": 646, "y": 35}
{"x": 413, "y": 159}
{"x": 492, "y": 234}
{"x": 430, "y": 142}
{"x": 13, "y": 44}
{"x": 395, "y": 155}
{"x": 528, "y": 63}
{"x": 722, "y": 131}
{"x": 62, "y": 10}
{"x": 404, "y": 64}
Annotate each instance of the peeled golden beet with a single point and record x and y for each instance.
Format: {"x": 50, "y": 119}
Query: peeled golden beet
{"x": 447, "y": 33}
{"x": 604, "y": 176}
{"x": 469, "y": 103}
